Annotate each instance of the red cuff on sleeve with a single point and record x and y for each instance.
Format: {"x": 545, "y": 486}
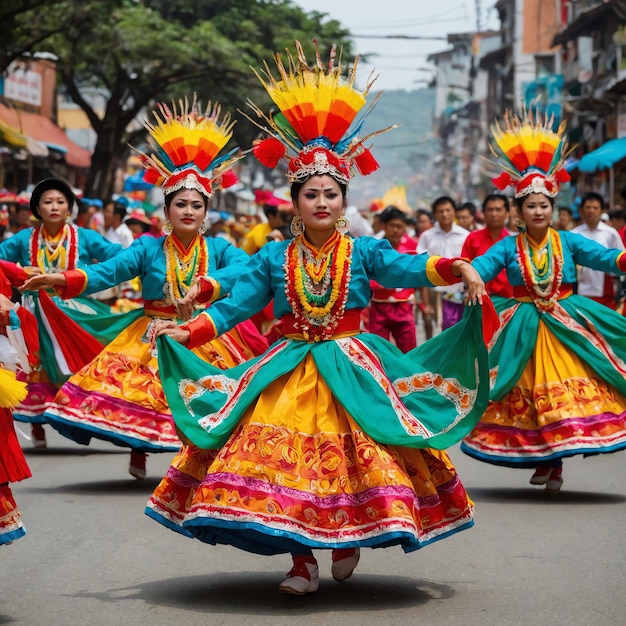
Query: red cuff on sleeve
{"x": 621, "y": 262}
{"x": 76, "y": 283}
{"x": 201, "y": 330}
{"x": 444, "y": 268}
{"x": 209, "y": 290}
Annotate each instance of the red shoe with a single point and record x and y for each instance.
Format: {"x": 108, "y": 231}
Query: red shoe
{"x": 541, "y": 475}
{"x": 553, "y": 485}
{"x": 344, "y": 562}
{"x": 137, "y": 467}
{"x": 38, "y": 436}
{"x": 303, "y": 578}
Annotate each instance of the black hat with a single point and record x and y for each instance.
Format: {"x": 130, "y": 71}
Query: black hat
{"x": 47, "y": 185}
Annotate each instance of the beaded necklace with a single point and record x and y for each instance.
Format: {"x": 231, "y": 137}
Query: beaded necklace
{"x": 183, "y": 266}
{"x": 54, "y": 254}
{"x": 316, "y": 284}
{"x": 541, "y": 266}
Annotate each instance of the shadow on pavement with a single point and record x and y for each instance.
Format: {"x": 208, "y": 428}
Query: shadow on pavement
{"x": 256, "y": 593}
{"x": 482, "y": 494}
{"x": 75, "y": 451}
{"x": 115, "y": 487}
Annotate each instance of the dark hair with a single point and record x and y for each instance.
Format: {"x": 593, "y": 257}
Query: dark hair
{"x": 443, "y": 200}
{"x": 592, "y": 195}
{"x": 170, "y": 196}
{"x": 617, "y": 214}
{"x": 467, "y": 206}
{"x": 565, "y": 208}
{"x": 270, "y": 210}
{"x": 496, "y": 196}
{"x": 46, "y": 185}
{"x": 83, "y": 207}
{"x": 425, "y": 212}
{"x": 119, "y": 208}
{"x": 297, "y": 186}
{"x": 392, "y": 213}
{"x": 520, "y": 201}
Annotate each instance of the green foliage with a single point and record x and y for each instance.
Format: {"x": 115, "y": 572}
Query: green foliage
{"x": 138, "y": 52}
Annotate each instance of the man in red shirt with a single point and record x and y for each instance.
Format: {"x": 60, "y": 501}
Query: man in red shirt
{"x": 391, "y": 311}
{"x": 496, "y": 212}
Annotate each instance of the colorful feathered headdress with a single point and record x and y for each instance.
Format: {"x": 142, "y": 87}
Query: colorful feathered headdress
{"x": 313, "y": 128}
{"x": 531, "y": 154}
{"x": 187, "y": 147}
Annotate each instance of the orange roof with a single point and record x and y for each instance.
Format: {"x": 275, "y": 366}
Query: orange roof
{"x": 43, "y": 129}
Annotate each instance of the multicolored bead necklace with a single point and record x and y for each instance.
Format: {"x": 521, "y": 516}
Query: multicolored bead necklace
{"x": 541, "y": 266}
{"x": 317, "y": 284}
{"x": 183, "y": 266}
{"x": 54, "y": 254}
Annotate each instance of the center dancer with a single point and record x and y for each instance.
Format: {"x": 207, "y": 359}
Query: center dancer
{"x": 333, "y": 438}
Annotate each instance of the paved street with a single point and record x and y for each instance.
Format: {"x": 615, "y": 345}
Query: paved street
{"x": 91, "y": 556}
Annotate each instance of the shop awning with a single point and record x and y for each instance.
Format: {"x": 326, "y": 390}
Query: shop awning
{"x": 604, "y": 157}
{"x": 44, "y": 131}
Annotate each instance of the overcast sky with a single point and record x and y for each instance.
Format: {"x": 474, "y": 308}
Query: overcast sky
{"x": 401, "y": 63}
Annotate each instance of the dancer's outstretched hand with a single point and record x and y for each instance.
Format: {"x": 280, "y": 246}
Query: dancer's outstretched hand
{"x": 44, "y": 281}
{"x": 475, "y": 284}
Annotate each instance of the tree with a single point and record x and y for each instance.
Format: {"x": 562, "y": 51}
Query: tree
{"x": 22, "y": 29}
{"x": 138, "y": 52}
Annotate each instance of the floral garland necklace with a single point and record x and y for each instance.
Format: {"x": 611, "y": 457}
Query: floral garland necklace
{"x": 54, "y": 254}
{"x": 541, "y": 266}
{"x": 316, "y": 284}
{"x": 183, "y": 266}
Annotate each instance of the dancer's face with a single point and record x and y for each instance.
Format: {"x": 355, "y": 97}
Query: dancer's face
{"x": 186, "y": 213}
{"x": 53, "y": 208}
{"x": 320, "y": 203}
{"x": 537, "y": 214}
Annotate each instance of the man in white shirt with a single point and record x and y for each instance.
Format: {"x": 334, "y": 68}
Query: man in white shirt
{"x": 115, "y": 230}
{"x": 446, "y": 239}
{"x": 594, "y": 284}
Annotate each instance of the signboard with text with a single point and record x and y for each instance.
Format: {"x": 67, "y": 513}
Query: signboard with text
{"x": 23, "y": 85}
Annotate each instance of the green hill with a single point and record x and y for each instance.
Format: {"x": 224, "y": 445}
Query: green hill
{"x": 404, "y": 152}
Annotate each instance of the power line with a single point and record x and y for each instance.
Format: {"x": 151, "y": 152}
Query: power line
{"x": 399, "y": 37}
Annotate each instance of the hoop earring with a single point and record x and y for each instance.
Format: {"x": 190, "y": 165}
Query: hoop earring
{"x": 342, "y": 225}
{"x": 297, "y": 226}
{"x": 167, "y": 228}
{"x": 521, "y": 226}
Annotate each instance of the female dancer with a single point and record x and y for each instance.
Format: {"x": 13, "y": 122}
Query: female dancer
{"x": 13, "y": 466}
{"x": 118, "y": 396}
{"x": 559, "y": 360}
{"x": 69, "y": 335}
{"x": 325, "y": 440}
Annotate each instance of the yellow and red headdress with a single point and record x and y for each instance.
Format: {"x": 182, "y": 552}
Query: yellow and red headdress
{"x": 313, "y": 129}
{"x": 187, "y": 148}
{"x": 531, "y": 154}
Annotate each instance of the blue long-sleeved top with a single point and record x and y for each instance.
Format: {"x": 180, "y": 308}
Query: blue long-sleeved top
{"x": 577, "y": 250}
{"x": 146, "y": 258}
{"x": 91, "y": 246}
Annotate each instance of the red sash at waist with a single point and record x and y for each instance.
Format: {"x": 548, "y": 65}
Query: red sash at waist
{"x": 521, "y": 293}
{"x": 349, "y": 324}
{"x": 159, "y": 308}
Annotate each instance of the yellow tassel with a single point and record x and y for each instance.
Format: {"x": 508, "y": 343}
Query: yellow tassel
{"x": 12, "y": 391}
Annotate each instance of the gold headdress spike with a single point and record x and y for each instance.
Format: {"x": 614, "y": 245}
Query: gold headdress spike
{"x": 317, "y": 109}
{"x": 531, "y": 154}
{"x": 188, "y": 143}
